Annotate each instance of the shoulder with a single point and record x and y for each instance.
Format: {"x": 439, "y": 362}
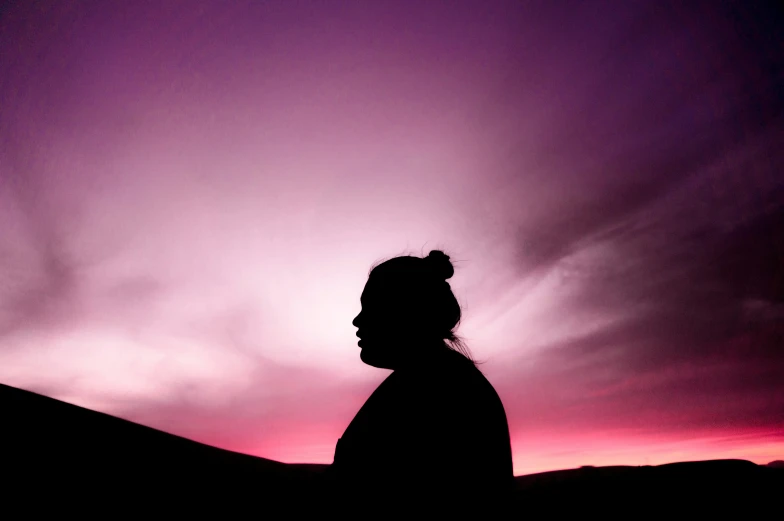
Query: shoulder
{"x": 460, "y": 383}
{"x": 462, "y": 373}
{"x": 474, "y": 392}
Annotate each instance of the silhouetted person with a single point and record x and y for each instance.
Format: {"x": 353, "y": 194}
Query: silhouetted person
{"x": 434, "y": 433}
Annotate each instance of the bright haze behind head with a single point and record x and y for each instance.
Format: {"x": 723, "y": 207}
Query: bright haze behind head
{"x": 192, "y": 194}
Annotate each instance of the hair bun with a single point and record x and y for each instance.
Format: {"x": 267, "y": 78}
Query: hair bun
{"x": 440, "y": 263}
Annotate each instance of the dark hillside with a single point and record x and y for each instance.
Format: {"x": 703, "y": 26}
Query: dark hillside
{"x": 61, "y": 457}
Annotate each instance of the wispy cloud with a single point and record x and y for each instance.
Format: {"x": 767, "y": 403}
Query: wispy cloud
{"x": 190, "y": 201}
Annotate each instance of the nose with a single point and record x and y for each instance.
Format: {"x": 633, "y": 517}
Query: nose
{"x": 355, "y": 322}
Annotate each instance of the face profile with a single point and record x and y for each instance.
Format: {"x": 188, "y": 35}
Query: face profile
{"x": 372, "y": 322}
{"x": 386, "y": 324}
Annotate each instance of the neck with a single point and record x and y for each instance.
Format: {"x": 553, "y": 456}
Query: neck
{"x": 423, "y": 354}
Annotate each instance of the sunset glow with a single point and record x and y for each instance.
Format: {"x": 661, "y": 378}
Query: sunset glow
{"x": 180, "y": 183}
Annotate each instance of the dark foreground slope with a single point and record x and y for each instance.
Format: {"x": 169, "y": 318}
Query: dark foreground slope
{"x": 57, "y": 456}
{"x": 55, "y": 451}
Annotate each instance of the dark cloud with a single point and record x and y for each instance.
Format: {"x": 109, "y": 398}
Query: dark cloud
{"x": 624, "y": 116}
{"x": 684, "y": 198}
{"x": 698, "y": 341}
{"x": 634, "y": 152}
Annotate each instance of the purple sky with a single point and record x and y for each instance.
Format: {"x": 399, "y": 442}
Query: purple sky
{"x": 181, "y": 182}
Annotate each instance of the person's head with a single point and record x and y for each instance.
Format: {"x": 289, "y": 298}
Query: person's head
{"x": 408, "y": 310}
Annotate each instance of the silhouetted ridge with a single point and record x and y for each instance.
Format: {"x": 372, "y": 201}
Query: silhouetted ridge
{"x": 58, "y": 457}
{"x": 706, "y": 486}
{"x": 53, "y": 449}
